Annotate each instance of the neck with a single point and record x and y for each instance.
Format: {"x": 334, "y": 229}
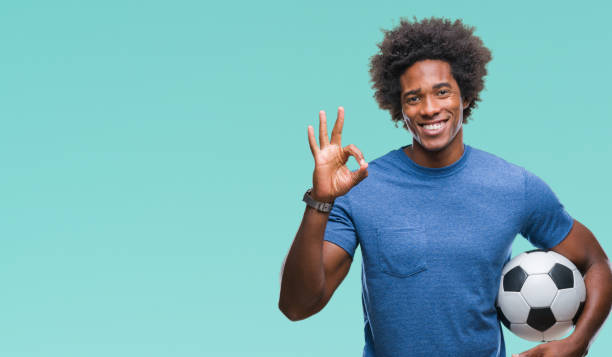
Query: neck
{"x": 436, "y": 159}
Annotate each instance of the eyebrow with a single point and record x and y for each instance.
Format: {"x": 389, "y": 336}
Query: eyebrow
{"x": 440, "y": 85}
{"x": 435, "y": 86}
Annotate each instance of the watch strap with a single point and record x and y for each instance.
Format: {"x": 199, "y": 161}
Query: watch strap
{"x": 324, "y": 207}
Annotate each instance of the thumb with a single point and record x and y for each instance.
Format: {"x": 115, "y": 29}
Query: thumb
{"x": 529, "y": 353}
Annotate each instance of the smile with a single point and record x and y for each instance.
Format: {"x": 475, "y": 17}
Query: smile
{"x": 434, "y": 128}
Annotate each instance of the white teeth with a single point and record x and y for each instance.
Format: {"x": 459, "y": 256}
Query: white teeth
{"x": 433, "y": 126}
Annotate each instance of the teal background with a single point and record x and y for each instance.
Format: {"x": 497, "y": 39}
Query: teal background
{"x": 153, "y": 156}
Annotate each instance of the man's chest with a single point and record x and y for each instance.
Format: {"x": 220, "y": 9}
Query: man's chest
{"x": 437, "y": 231}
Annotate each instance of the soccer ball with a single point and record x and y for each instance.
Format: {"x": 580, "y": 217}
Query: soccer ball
{"x": 541, "y": 295}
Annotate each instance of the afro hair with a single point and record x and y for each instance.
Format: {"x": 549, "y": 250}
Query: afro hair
{"x": 436, "y": 39}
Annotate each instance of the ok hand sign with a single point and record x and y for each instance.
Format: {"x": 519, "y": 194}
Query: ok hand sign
{"x": 331, "y": 177}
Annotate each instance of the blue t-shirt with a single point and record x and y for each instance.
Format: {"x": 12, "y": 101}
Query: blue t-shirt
{"x": 433, "y": 242}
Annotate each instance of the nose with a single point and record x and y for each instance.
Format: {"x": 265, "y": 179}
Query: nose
{"x": 429, "y": 107}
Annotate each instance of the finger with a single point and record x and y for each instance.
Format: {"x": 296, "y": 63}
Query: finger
{"x": 323, "y": 139}
{"x": 359, "y": 175}
{"x": 356, "y": 153}
{"x": 336, "y": 137}
{"x": 312, "y": 141}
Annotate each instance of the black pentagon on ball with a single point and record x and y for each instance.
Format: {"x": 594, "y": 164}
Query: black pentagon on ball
{"x": 562, "y": 276}
{"x": 503, "y": 317}
{"x": 514, "y": 279}
{"x": 580, "y": 308}
{"x": 541, "y": 319}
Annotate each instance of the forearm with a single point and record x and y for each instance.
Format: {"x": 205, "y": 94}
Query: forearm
{"x": 598, "y": 282}
{"x": 303, "y": 277}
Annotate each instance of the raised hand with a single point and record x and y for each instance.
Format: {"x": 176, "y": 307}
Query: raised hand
{"x": 331, "y": 177}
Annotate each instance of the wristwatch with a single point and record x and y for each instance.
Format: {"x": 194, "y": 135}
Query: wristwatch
{"x": 324, "y": 207}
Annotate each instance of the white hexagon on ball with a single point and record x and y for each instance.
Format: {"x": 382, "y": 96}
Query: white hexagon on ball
{"x": 537, "y": 263}
{"x": 527, "y": 332}
{"x": 539, "y": 290}
{"x": 514, "y": 307}
{"x": 565, "y": 305}
{"x": 561, "y": 260}
{"x": 557, "y": 331}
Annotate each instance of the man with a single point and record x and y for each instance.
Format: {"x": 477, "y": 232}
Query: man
{"x": 436, "y": 219}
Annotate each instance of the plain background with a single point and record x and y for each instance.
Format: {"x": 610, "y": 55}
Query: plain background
{"x": 154, "y": 155}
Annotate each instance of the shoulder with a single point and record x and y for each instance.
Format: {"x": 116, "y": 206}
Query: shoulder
{"x": 508, "y": 170}
{"x": 492, "y": 164}
{"x": 482, "y": 157}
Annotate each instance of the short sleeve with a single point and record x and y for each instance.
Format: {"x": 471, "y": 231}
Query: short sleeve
{"x": 546, "y": 222}
{"x": 340, "y": 229}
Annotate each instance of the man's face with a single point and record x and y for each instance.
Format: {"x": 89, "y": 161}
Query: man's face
{"x": 431, "y": 99}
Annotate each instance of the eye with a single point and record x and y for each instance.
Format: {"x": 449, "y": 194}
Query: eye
{"x": 411, "y": 100}
{"x": 443, "y": 92}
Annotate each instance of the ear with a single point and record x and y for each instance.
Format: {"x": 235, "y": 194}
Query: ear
{"x": 466, "y": 104}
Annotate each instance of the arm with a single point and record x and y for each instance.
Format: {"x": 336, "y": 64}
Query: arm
{"x": 584, "y": 251}
{"x": 581, "y": 247}
{"x": 314, "y": 268}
